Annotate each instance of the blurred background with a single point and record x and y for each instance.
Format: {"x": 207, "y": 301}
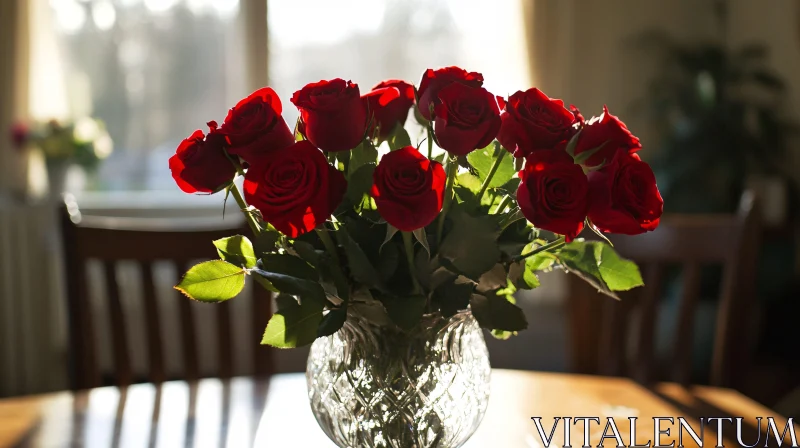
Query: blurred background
{"x": 711, "y": 87}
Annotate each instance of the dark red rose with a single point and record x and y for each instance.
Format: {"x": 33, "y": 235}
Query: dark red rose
{"x": 408, "y": 189}
{"x": 333, "y": 116}
{"x": 295, "y": 190}
{"x": 553, "y": 194}
{"x": 200, "y": 163}
{"x": 532, "y": 121}
{"x": 623, "y": 196}
{"x": 466, "y": 119}
{"x": 388, "y": 104}
{"x": 255, "y": 125}
{"x": 609, "y": 134}
{"x": 433, "y": 81}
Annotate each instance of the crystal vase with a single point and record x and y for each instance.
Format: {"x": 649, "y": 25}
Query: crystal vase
{"x": 378, "y": 386}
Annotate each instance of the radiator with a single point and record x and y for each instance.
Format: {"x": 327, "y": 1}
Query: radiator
{"x": 32, "y": 329}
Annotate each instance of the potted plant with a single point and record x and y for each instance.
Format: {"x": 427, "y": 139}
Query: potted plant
{"x": 83, "y": 142}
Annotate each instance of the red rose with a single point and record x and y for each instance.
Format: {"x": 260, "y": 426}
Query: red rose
{"x": 553, "y": 192}
{"x": 255, "y": 125}
{"x": 408, "y": 189}
{"x": 19, "y": 134}
{"x": 388, "y": 104}
{"x": 200, "y": 163}
{"x": 295, "y": 189}
{"x": 609, "y": 134}
{"x": 434, "y": 81}
{"x": 532, "y": 121}
{"x": 333, "y": 116}
{"x": 623, "y": 196}
{"x": 466, "y": 119}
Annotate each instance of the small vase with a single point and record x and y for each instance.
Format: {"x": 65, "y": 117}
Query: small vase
{"x": 57, "y": 177}
{"x": 377, "y": 386}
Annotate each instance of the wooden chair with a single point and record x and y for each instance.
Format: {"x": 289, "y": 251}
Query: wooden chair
{"x": 600, "y": 327}
{"x": 146, "y": 241}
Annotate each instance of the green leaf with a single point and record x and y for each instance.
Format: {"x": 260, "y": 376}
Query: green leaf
{"x": 453, "y": 295}
{"x": 618, "y": 273}
{"x": 212, "y": 281}
{"x": 572, "y": 143}
{"x": 497, "y": 313}
{"x": 332, "y": 322}
{"x": 522, "y": 276}
{"x": 307, "y": 290}
{"x": 389, "y": 261}
{"x": 390, "y": 232}
{"x": 360, "y": 183}
{"x": 439, "y": 157}
{"x": 236, "y": 250}
{"x": 599, "y": 265}
{"x": 469, "y": 181}
{"x": 361, "y": 268}
{"x": 399, "y": 138}
{"x": 306, "y": 251}
{"x": 540, "y": 261}
{"x": 471, "y": 245}
{"x": 266, "y": 242}
{"x": 405, "y": 312}
{"x": 293, "y": 326}
{"x": 265, "y": 283}
{"x": 483, "y": 159}
{"x": 420, "y": 235}
{"x": 289, "y": 265}
{"x": 503, "y": 335}
{"x": 361, "y": 155}
{"x": 492, "y": 279}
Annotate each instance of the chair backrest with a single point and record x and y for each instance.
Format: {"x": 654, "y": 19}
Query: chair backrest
{"x": 600, "y": 327}
{"x": 145, "y": 242}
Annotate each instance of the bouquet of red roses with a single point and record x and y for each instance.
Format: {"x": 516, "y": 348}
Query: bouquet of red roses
{"x": 349, "y": 216}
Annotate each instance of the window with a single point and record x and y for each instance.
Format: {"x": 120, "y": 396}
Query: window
{"x": 155, "y": 70}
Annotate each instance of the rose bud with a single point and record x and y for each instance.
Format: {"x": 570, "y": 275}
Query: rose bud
{"x": 467, "y": 118}
{"x": 433, "y": 81}
{"x": 333, "y": 116}
{"x": 408, "y": 189}
{"x": 200, "y": 163}
{"x": 295, "y": 190}
{"x": 532, "y": 121}
{"x": 255, "y": 125}
{"x": 553, "y": 192}
{"x": 387, "y": 105}
{"x": 607, "y": 133}
{"x": 623, "y": 196}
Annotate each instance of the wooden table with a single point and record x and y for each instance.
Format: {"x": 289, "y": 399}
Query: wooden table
{"x": 275, "y": 413}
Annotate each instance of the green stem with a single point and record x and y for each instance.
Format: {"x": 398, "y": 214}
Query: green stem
{"x": 555, "y": 244}
{"x": 251, "y": 220}
{"x": 430, "y": 142}
{"x": 492, "y": 171}
{"x": 408, "y": 243}
{"x": 329, "y": 245}
{"x": 452, "y": 168}
{"x": 503, "y": 204}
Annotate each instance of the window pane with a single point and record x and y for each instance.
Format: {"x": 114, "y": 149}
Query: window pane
{"x": 154, "y": 71}
{"x": 367, "y": 41}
